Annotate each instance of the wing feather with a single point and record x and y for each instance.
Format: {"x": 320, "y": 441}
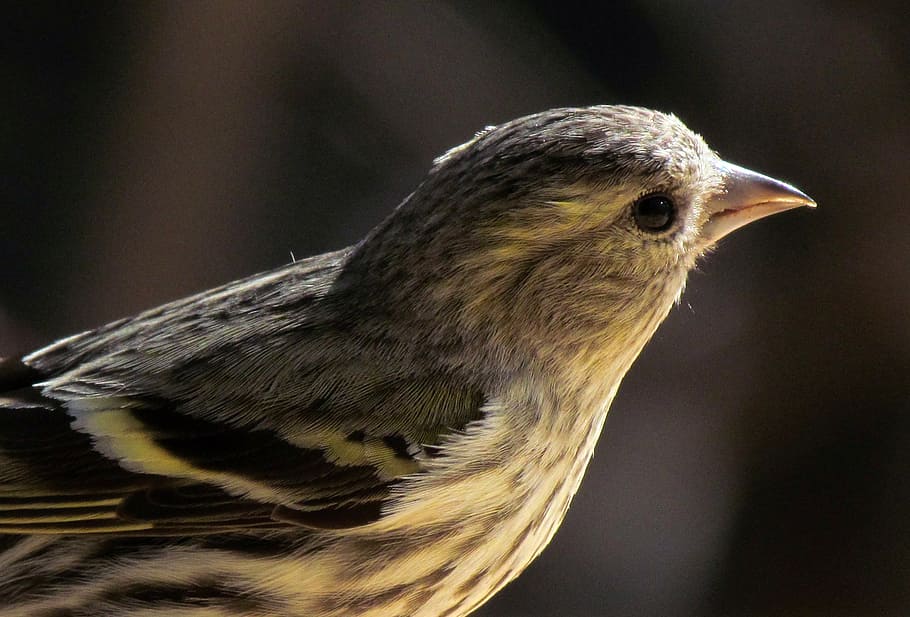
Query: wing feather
{"x": 249, "y": 406}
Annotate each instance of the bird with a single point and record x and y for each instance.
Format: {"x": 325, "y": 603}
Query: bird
{"x": 393, "y": 429}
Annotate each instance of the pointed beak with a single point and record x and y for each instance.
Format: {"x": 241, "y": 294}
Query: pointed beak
{"x": 748, "y": 196}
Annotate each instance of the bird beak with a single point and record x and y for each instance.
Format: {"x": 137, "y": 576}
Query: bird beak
{"x": 747, "y": 196}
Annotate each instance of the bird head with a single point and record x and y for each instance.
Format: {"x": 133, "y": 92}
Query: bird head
{"x": 572, "y": 227}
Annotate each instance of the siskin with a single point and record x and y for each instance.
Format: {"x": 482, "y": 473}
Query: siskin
{"x": 395, "y": 429}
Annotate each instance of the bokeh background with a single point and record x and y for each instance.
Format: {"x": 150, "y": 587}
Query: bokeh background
{"x": 756, "y": 460}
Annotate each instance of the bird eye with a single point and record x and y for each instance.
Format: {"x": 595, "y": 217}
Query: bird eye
{"x": 654, "y": 213}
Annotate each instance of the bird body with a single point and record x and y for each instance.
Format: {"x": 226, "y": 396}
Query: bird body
{"x": 396, "y": 428}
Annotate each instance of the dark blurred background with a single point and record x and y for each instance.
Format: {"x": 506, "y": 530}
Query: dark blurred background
{"x": 756, "y": 461}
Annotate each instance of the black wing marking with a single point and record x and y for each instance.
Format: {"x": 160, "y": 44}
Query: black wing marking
{"x": 141, "y": 467}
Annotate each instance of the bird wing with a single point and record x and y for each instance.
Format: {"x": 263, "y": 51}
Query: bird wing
{"x": 212, "y": 414}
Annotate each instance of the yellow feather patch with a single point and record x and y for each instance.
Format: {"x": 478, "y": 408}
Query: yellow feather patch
{"x": 370, "y": 450}
{"x": 121, "y": 436}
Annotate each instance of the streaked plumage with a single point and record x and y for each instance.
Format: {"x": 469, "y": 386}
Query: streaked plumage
{"x": 393, "y": 429}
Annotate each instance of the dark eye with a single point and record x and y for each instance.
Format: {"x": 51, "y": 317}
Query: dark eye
{"x": 654, "y": 213}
